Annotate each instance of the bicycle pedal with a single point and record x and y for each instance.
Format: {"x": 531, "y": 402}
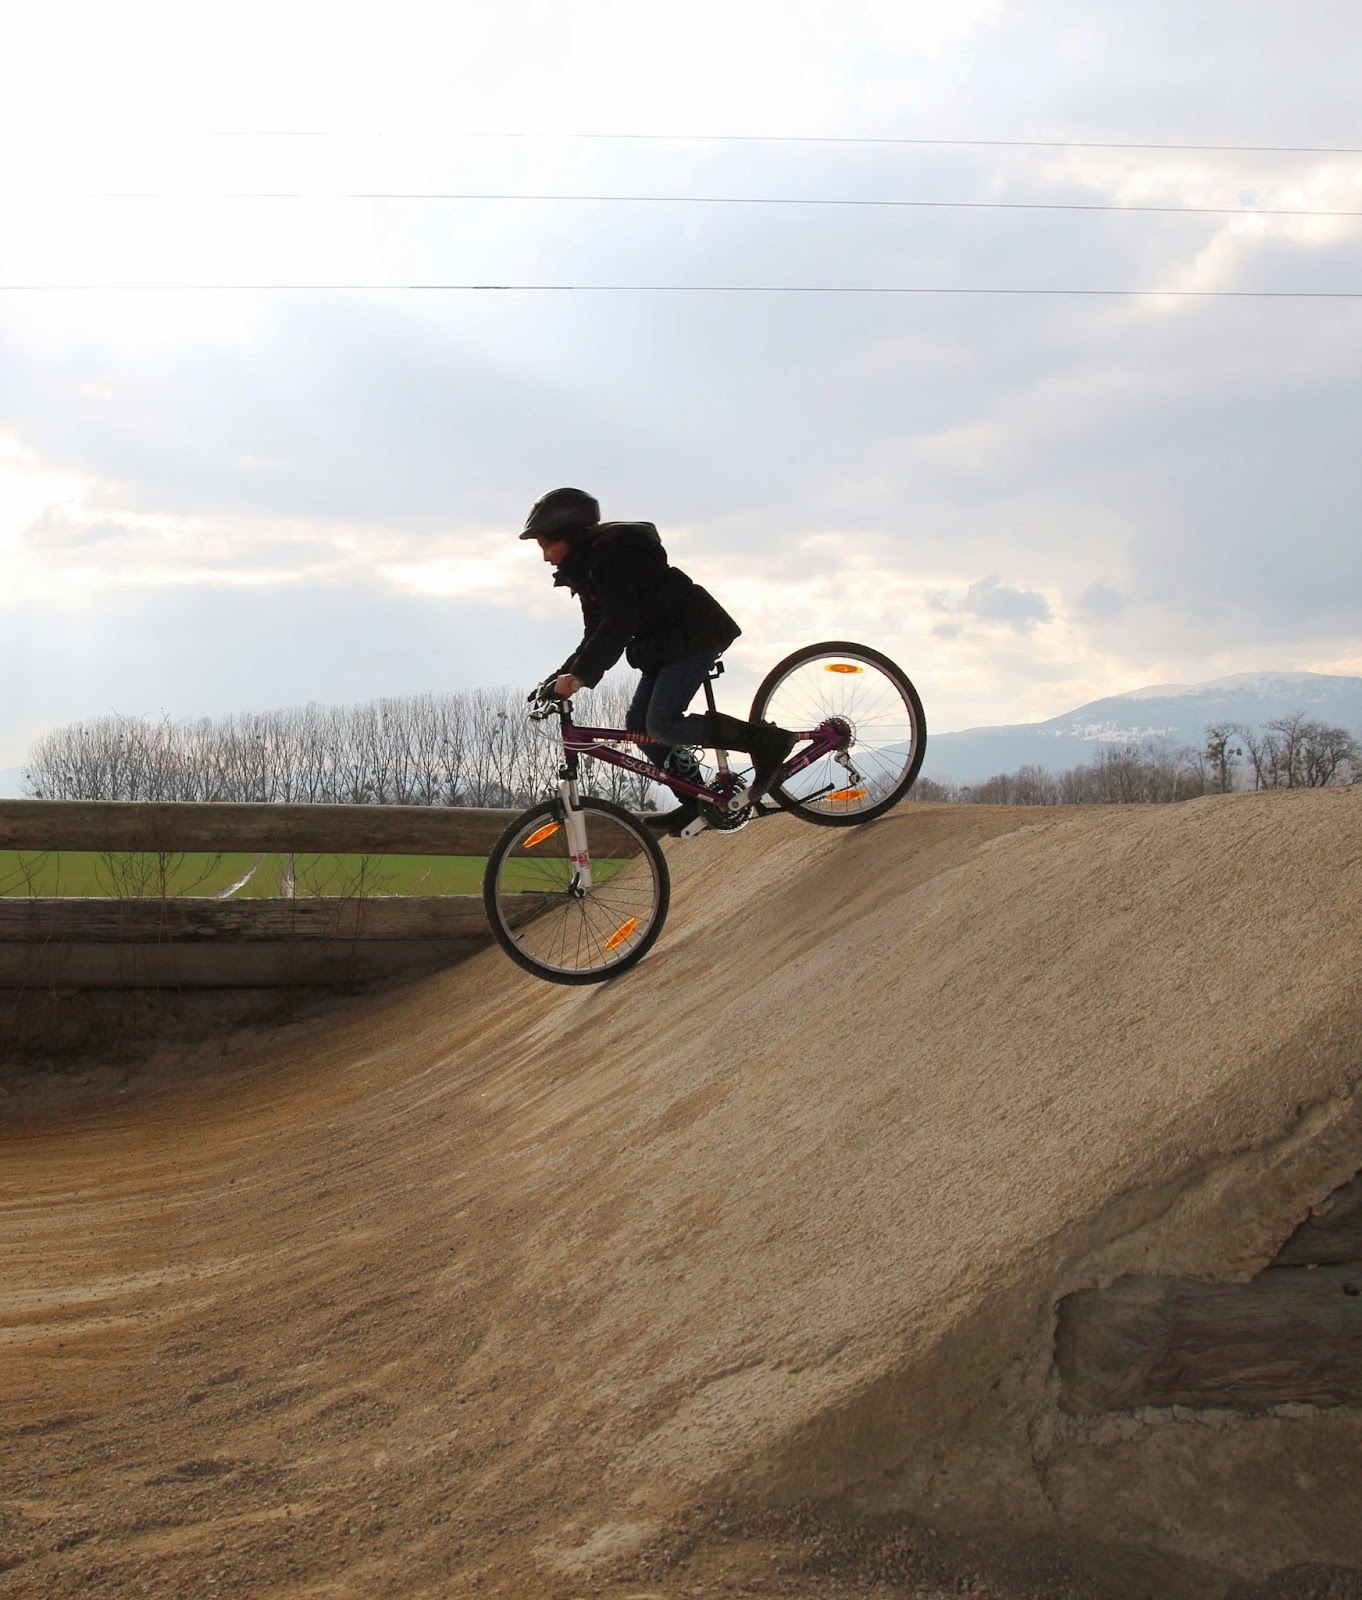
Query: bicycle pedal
{"x": 700, "y": 825}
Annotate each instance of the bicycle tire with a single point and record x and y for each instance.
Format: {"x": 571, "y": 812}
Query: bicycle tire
{"x": 889, "y": 734}
{"x": 567, "y": 939}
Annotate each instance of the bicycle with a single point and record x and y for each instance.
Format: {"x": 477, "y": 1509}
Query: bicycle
{"x": 577, "y": 888}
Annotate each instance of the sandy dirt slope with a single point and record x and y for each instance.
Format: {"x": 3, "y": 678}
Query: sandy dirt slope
{"x": 685, "y": 1282}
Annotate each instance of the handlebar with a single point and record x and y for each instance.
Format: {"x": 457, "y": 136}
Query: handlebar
{"x": 545, "y": 703}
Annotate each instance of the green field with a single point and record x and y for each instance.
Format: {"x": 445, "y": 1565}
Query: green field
{"x": 78, "y": 873}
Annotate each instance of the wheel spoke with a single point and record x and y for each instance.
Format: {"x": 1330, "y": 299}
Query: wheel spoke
{"x": 563, "y": 935}
{"x": 882, "y": 710}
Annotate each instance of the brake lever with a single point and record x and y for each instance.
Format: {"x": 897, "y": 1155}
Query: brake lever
{"x": 547, "y": 705}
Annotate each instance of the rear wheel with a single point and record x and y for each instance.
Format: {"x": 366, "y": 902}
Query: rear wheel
{"x": 552, "y": 928}
{"x": 886, "y": 731}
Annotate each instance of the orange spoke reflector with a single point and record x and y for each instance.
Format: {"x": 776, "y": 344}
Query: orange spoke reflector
{"x": 617, "y": 938}
{"x": 842, "y": 666}
{"x": 540, "y": 834}
{"x": 847, "y": 794}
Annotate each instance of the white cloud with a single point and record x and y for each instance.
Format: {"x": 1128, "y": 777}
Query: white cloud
{"x": 497, "y": 576}
{"x": 1161, "y": 490}
{"x": 59, "y": 529}
{"x": 1018, "y": 609}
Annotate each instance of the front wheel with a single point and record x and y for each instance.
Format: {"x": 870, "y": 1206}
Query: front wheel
{"x": 886, "y": 731}
{"x": 546, "y": 923}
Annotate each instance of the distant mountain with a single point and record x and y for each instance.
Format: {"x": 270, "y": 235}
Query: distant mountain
{"x": 11, "y": 783}
{"x": 1177, "y": 712}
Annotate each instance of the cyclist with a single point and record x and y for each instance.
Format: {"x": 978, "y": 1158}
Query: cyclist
{"x": 635, "y": 602}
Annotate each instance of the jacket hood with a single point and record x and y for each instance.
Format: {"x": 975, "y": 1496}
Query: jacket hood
{"x": 607, "y": 535}
{"x": 621, "y": 532}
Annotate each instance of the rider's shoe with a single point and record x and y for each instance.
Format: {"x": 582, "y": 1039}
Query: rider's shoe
{"x": 673, "y": 821}
{"x": 769, "y": 753}
{"x": 680, "y": 760}
{"x": 767, "y": 744}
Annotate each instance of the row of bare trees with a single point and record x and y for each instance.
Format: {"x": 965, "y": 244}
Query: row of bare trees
{"x": 1295, "y": 752}
{"x": 1292, "y": 752}
{"x": 471, "y": 748}
{"x": 477, "y": 748}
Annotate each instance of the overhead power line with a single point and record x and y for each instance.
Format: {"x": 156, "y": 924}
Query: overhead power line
{"x": 677, "y": 288}
{"x": 824, "y": 138}
{"x": 727, "y": 200}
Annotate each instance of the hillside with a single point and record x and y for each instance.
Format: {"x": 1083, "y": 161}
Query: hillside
{"x": 740, "y": 1271}
{"x": 1178, "y": 713}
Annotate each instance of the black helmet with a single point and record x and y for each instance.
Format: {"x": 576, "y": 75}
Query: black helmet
{"x": 562, "y": 512}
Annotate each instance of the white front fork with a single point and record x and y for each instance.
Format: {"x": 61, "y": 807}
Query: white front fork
{"x": 575, "y": 823}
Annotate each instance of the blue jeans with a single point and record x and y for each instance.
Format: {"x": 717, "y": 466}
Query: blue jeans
{"x": 658, "y": 709}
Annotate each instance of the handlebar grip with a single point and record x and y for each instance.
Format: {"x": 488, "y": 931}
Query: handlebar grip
{"x": 544, "y": 701}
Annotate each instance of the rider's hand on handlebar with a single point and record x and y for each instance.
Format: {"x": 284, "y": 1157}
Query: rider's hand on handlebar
{"x": 562, "y": 687}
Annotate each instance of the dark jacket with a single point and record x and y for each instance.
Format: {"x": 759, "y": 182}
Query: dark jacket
{"x": 633, "y": 599}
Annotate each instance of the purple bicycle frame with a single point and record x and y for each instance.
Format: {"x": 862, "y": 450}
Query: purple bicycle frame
{"x": 579, "y": 741}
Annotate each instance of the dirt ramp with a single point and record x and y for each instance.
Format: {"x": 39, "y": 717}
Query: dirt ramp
{"x": 487, "y": 1280}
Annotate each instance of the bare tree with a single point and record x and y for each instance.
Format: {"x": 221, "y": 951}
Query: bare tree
{"x": 1325, "y": 755}
{"x": 476, "y": 747}
{"x": 936, "y": 790}
{"x": 1223, "y": 751}
{"x": 1033, "y": 786}
{"x": 1289, "y": 735}
{"x": 1297, "y": 752}
{"x": 608, "y": 707}
{"x": 1287, "y": 752}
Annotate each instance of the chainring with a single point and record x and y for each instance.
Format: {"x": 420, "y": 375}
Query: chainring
{"x": 725, "y": 821}
{"x": 721, "y": 817}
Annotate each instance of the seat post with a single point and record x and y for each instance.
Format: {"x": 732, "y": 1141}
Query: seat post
{"x": 716, "y": 671}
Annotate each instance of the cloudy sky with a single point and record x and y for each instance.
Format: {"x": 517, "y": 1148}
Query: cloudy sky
{"x": 257, "y": 447}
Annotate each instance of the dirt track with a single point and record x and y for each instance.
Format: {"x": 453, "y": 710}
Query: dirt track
{"x": 738, "y": 1271}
